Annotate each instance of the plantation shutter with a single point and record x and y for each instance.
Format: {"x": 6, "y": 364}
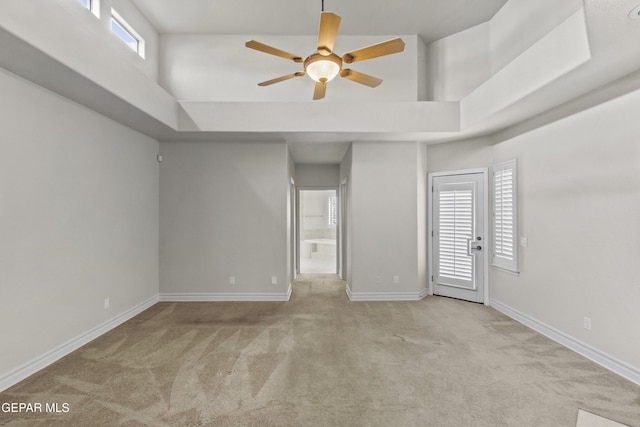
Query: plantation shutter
{"x": 504, "y": 216}
{"x": 333, "y": 211}
{"x": 455, "y": 230}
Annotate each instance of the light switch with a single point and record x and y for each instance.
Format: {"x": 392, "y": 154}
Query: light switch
{"x": 524, "y": 242}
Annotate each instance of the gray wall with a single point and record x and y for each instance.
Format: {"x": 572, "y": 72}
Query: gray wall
{"x": 223, "y": 212}
{"x": 579, "y": 208}
{"x": 311, "y": 175}
{"x": 385, "y": 227}
{"x": 78, "y": 220}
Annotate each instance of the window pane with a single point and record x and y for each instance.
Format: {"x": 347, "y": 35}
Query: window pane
{"x": 123, "y": 34}
{"x": 86, "y": 3}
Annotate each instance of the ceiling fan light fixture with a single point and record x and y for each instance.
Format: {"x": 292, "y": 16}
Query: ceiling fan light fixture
{"x": 323, "y": 65}
{"x": 322, "y": 68}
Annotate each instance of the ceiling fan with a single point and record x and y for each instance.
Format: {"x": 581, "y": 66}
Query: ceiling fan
{"x": 324, "y": 64}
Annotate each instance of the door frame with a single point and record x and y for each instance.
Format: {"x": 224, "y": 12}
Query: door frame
{"x": 485, "y": 225}
{"x": 342, "y": 229}
{"x": 298, "y": 213}
{"x": 293, "y": 243}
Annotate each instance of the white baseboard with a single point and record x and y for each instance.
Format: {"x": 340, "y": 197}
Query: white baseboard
{"x": 13, "y": 377}
{"x": 216, "y": 297}
{"x": 619, "y": 367}
{"x": 386, "y": 296}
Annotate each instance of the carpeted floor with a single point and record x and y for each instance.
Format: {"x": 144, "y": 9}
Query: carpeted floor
{"x": 320, "y": 360}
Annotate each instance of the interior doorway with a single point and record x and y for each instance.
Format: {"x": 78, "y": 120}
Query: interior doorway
{"x": 317, "y": 231}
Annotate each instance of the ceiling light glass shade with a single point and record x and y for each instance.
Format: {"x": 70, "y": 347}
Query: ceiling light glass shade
{"x": 322, "y": 68}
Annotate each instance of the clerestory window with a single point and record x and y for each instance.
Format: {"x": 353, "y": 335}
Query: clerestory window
{"x": 126, "y": 33}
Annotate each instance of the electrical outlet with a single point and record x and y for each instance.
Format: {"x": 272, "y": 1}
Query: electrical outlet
{"x": 106, "y": 303}
{"x": 232, "y": 280}
{"x": 524, "y": 242}
{"x": 379, "y": 280}
{"x": 587, "y": 323}
{"x": 274, "y": 280}
{"x": 396, "y": 279}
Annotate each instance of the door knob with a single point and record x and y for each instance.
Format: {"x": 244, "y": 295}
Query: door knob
{"x": 477, "y": 248}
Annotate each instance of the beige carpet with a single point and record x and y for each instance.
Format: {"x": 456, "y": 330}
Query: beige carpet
{"x": 320, "y": 360}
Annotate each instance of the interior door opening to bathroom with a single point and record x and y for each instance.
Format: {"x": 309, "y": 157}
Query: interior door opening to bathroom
{"x": 317, "y": 231}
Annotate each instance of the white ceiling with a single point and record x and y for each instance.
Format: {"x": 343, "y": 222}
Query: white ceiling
{"x": 430, "y": 19}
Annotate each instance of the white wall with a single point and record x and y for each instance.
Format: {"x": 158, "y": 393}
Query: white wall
{"x": 101, "y": 27}
{"x": 78, "y": 31}
{"x": 384, "y": 218}
{"x": 78, "y": 220}
{"x": 578, "y": 207}
{"x": 78, "y": 51}
{"x": 521, "y": 23}
{"x": 223, "y": 212}
{"x": 462, "y": 62}
{"x": 460, "y": 155}
{"x": 458, "y": 64}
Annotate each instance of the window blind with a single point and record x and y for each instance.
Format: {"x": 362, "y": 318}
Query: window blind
{"x": 333, "y": 211}
{"x": 504, "y": 216}
{"x": 455, "y": 229}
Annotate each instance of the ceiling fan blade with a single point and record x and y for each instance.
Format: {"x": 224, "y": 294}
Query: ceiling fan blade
{"x": 252, "y": 44}
{"x": 361, "y": 78}
{"x": 380, "y": 49}
{"x": 282, "y": 78}
{"x": 320, "y": 90}
{"x": 329, "y": 25}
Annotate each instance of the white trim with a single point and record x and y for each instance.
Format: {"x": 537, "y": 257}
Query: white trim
{"x": 94, "y": 7}
{"x": 13, "y": 377}
{"x": 386, "y": 296}
{"x": 218, "y": 297}
{"x": 605, "y": 360}
{"x": 430, "y": 176}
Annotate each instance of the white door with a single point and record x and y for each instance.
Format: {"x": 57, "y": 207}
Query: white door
{"x": 458, "y": 236}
